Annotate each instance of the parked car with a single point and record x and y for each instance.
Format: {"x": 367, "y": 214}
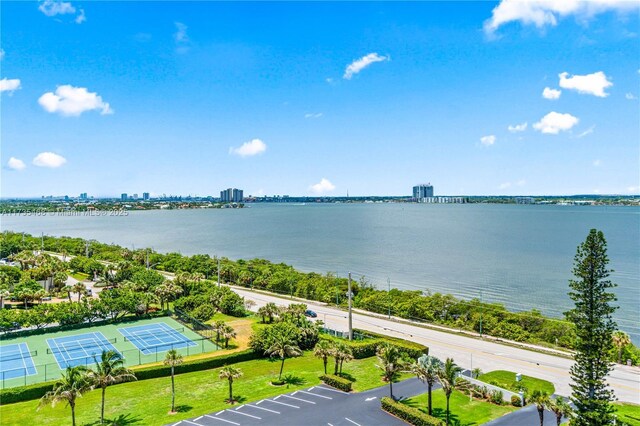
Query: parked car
{"x": 310, "y": 313}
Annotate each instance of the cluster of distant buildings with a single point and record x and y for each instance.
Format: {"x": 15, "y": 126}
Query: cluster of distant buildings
{"x": 423, "y": 193}
{"x": 231, "y": 195}
{"x": 134, "y": 197}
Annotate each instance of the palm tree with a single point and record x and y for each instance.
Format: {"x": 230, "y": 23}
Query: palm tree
{"x": 68, "y": 289}
{"x": 109, "y": 371}
{"x": 541, "y": 400}
{"x": 230, "y": 373}
{"x": 426, "y": 369}
{"x": 560, "y": 408}
{"x": 271, "y": 310}
{"x": 323, "y": 349}
{"x": 262, "y": 312}
{"x": 390, "y": 362}
{"x": 73, "y": 383}
{"x": 172, "y": 359}
{"x": 80, "y": 289}
{"x": 218, "y": 326}
{"x": 283, "y": 345}
{"x": 342, "y": 352}
{"x": 620, "y": 340}
{"x": 447, "y": 376}
{"x": 227, "y": 333}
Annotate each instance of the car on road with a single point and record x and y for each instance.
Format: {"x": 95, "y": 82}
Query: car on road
{"x": 310, "y": 313}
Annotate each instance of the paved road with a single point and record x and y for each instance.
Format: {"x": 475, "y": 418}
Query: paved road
{"x": 525, "y": 416}
{"x": 468, "y": 352}
{"x": 317, "y": 405}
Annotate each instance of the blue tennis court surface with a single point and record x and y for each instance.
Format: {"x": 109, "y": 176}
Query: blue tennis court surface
{"x": 79, "y": 349}
{"x": 153, "y": 338}
{"x": 15, "y": 361}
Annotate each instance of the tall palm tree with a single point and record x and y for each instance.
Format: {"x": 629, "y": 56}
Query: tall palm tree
{"x": 620, "y": 340}
{"x": 172, "y": 359}
{"x": 342, "y": 352}
{"x": 560, "y": 408}
{"x": 271, "y": 310}
{"x": 262, "y": 312}
{"x": 390, "y": 362}
{"x": 68, "y": 289}
{"x": 541, "y": 400}
{"x": 227, "y": 333}
{"x": 218, "y": 326}
{"x": 426, "y": 369}
{"x": 73, "y": 383}
{"x": 109, "y": 371}
{"x": 80, "y": 289}
{"x": 447, "y": 376}
{"x": 283, "y": 344}
{"x": 323, "y": 349}
{"x": 230, "y": 373}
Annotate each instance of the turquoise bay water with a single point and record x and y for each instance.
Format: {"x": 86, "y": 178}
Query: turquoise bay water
{"x": 519, "y": 255}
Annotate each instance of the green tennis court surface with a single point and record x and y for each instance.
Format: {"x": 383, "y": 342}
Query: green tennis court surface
{"x": 40, "y": 358}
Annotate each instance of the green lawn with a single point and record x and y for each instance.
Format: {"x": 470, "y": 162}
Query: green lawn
{"x": 507, "y": 380}
{"x": 629, "y": 413}
{"x": 80, "y": 276}
{"x": 148, "y": 402}
{"x": 463, "y": 411}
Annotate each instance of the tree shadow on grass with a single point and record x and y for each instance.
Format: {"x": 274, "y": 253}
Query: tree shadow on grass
{"x": 441, "y": 414}
{"x": 121, "y": 420}
{"x": 183, "y": 408}
{"x": 237, "y": 399}
{"x": 347, "y": 376}
{"x": 290, "y": 379}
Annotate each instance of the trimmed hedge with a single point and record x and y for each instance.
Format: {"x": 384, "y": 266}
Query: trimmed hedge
{"x": 336, "y": 382}
{"x": 516, "y": 401}
{"x": 410, "y": 415}
{"x": 29, "y": 392}
{"x": 195, "y": 365}
{"x": 367, "y": 348}
{"x": 24, "y": 393}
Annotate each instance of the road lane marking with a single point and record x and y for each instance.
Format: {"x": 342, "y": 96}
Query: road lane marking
{"x": 315, "y": 394}
{"x": 244, "y": 414}
{"x": 371, "y": 399}
{"x": 299, "y": 399}
{"x": 348, "y": 419}
{"x": 329, "y": 389}
{"x": 222, "y": 420}
{"x": 262, "y": 408}
{"x": 282, "y": 403}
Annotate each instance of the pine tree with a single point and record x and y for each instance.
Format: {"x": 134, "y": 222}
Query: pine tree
{"x": 594, "y": 328}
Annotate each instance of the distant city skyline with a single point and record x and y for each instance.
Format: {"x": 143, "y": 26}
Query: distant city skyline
{"x": 319, "y": 98}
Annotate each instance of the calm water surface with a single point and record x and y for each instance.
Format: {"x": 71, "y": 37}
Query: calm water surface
{"x": 517, "y": 255}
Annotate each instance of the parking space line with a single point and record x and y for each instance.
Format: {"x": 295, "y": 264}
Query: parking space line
{"x": 348, "y": 419}
{"x": 299, "y": 399}
{"x": 281, "y": 403}
{"x": 244, "y": 414}
{"x": 220, "y": 412}
{"x": 262, "y": 408}
{"x": 315, "y": 394}
{"x": 197, "y": 418}
{"x": 190, "y": 422}
{"x": 329, "y": 389}
{"x": 222, "y": 420}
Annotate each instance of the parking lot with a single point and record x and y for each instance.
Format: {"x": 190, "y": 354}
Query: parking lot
{"x": 316, "y": 405}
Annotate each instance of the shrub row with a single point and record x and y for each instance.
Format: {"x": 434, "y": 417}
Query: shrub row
{"x": 410, "y": 415}
{"x": 29, "y": 392}
{"x": 24, "y": 393}
{"x": 336, "y": 382}
{"x": 367, "y": 348}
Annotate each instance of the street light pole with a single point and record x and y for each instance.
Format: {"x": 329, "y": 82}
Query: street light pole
{"x": 350, "y": 317}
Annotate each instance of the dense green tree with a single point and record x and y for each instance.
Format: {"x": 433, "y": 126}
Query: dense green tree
{"x": 283, "y": 343}
{"x": 594, "y": 327}
{"x": 26, "y": 291}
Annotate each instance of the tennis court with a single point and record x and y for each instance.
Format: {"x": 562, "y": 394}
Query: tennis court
{"x": 15, "y": 361}
{"x": 157, "y": 337}
{"x": 79, "y": 349}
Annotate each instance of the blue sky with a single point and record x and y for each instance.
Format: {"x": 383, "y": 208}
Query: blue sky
{"x": 320, "y": 98}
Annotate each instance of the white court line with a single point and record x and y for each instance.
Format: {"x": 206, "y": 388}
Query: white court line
{"x": 282, "y": 403}
{"x": 26, "y": 373}
{"x": 315, "y": 394}
{"x": 329, "y": 389}
{"x": 348, "y": 419}
{"x": 222, "y": 420}
{"x": 299, "y": 399}
{"x": 261, "y": 408}
{"x": 244, "y": 414}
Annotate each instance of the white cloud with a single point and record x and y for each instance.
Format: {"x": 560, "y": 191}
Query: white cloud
{"x": 590, "y": 84}
{"x": 586, "y": 132}
{"x": 554, "y": 122}
{"x": 53, "y": 8}
{"x": 10, "y": 86}
{"x": 16, "y": 164}
{"x": 329, "y": 80}
{"x": 542, "y": 13}
{"x": 313, "y": 115}
{"x": 504, "y": 185}
{"x": 359, "y": 64}
{"x": 597, "y": 163}
{"x": 630, "y": 96}
{"x": 322, "y": 187}
{"x": 549, "y": 93}
{"x": 517, "y": 127}
{"x": 73, "y": 101}
{"x": 81, "y": 17}
{"x": 633, "y": 188}
{"x": 488, "y": 140}
{"x": 181, "y": 34}
{"x": 248, "y": 149}
{"x": 49, "y": 159}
